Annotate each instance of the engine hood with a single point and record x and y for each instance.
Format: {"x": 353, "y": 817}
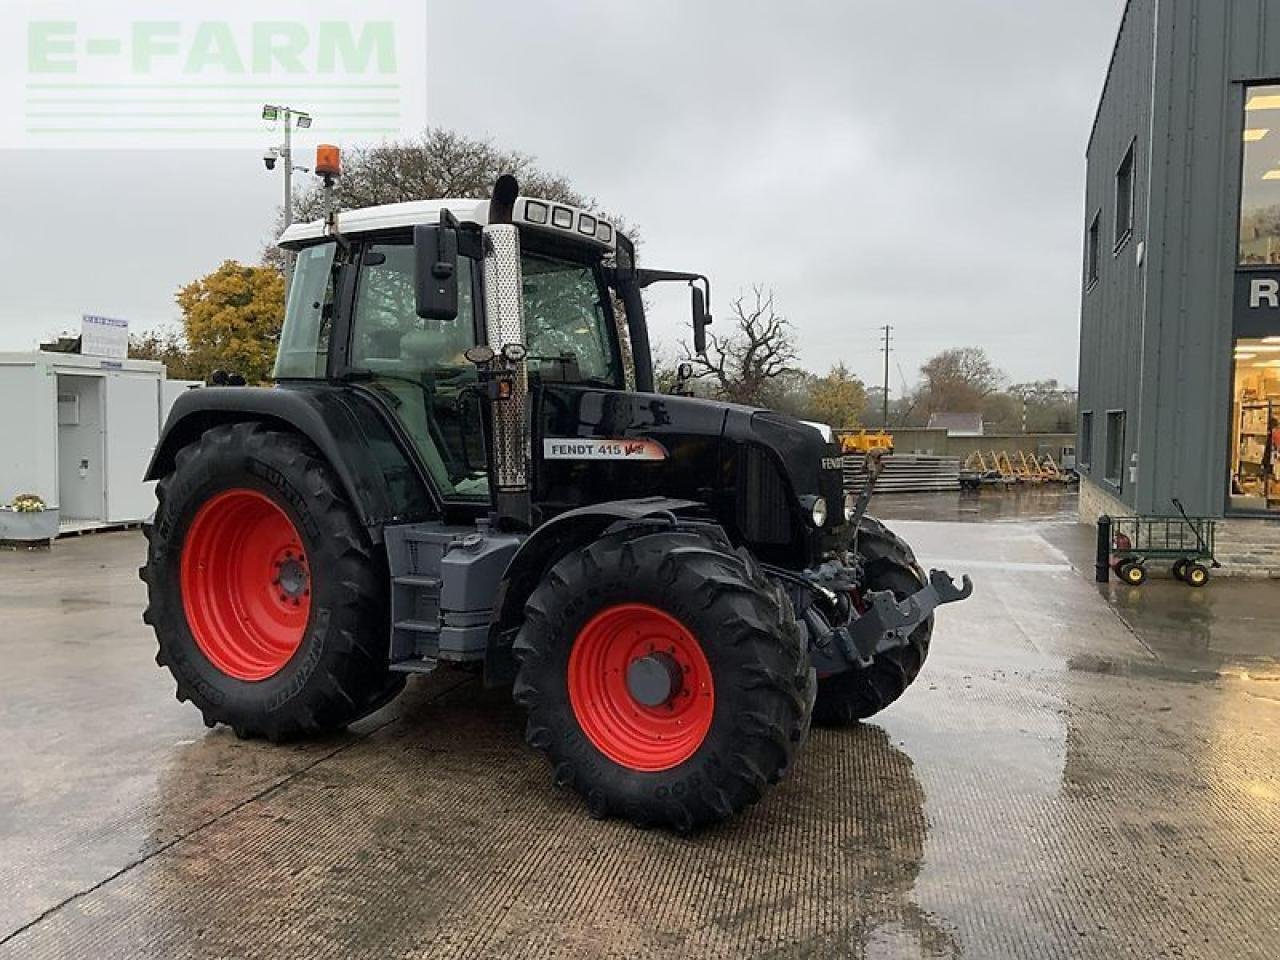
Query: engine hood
{"x": 756, "y": 469}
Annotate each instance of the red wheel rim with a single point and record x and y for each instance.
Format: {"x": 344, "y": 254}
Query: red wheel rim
{"x": 246, "y": 585}
{"x": 639, "y": 737}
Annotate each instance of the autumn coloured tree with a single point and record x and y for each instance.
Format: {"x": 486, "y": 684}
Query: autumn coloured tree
{"x": 837, "y": 399}
{"x": 232, "y": 319}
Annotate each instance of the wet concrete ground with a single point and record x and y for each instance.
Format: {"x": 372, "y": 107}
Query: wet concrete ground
{"x": 1079, "y": 772}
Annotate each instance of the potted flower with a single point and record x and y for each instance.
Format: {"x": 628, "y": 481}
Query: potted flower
{"x": 27, "y": 519}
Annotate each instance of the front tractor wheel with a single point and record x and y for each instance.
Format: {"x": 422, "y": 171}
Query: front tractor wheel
{"x": 264, "y": 594}
{"x": 853, "y": 695}
{"x": 665, "y": 678}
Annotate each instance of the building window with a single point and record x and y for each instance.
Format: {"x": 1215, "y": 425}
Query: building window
{"x": 1255, "y": 425}
{"x": 1091, "y": 253}
{"x": 1260, "y": 177}
{"x": 1114, "y": 465}
{"x": 1085, "y": 455}
{"x": 1124, "y": 199}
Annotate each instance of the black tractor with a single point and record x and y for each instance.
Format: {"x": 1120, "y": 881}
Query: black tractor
{"x": 458, "y": 466}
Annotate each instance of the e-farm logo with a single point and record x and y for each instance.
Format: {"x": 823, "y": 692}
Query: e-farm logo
{"x": 154, "y": 75}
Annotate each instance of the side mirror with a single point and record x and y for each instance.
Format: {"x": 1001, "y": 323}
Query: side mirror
{"x": 435, "y": 271}
{"x": 701, "y": 320}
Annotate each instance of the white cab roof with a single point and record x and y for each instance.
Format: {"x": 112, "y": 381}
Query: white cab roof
{"x": 571, "y": 223}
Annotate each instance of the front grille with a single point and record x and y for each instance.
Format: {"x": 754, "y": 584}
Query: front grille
{"x": 764, "y": 504}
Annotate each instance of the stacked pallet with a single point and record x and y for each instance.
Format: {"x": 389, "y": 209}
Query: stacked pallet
{"x": 904, "y": 473}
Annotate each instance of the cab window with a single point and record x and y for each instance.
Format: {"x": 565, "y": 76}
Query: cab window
{"x": 389, "y": 335}
{"x": 308, "y": 317}
{"x": 567, "y": 319}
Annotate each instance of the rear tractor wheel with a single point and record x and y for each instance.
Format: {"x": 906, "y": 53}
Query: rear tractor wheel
{"x": 853, "y": 695}
{"x": 664, "y": 676}
{"x": 264, "y": 594}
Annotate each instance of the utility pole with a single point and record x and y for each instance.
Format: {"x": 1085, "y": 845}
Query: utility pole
{"x": 888, "y": 331}
{"x": 287, "y": 157}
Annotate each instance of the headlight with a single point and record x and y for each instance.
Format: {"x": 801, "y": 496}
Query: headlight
{"x": 820, "y": 512}
{"x": 850, "y": 504}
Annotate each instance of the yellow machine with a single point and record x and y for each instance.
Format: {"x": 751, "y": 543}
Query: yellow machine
{"x": 863, "y": 441}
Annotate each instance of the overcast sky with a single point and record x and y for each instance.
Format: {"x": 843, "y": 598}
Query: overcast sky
{"x": 873, "y": 161}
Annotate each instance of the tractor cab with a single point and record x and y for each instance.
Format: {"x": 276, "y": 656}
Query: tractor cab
{"x": 358, "y": 288}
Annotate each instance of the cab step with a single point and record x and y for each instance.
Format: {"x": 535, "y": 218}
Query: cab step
{"x": 416, "y": 580}
{"x": 418, "y": 665}
{"x": 418, "y": 626}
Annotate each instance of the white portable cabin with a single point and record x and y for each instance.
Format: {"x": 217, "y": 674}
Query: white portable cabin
{"x": 79, "y": 432}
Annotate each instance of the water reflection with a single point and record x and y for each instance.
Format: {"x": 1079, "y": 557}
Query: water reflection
{"x": 441, "y": 835}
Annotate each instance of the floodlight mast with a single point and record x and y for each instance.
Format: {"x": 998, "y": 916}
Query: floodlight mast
{"x": 289, "y": 115}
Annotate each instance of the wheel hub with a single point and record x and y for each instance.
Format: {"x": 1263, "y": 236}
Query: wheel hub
{"x": 292, "y": 578}
{"x": 654, "y": 679}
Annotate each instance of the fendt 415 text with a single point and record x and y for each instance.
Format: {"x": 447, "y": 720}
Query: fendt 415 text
{"x": 460, "y": 465}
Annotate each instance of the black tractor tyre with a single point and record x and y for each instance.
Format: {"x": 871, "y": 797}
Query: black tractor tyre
{"x": 338, "y": 671}
{"x": 853, "y": 695}
{"x": 740, "y": 626}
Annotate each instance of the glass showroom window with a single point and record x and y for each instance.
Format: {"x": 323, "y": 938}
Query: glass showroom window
{"x": 1255, "y": 430}
{"x": 1260, "y": 177}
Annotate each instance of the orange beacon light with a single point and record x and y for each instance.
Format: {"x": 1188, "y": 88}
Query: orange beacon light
{"x": 328, "y": 161}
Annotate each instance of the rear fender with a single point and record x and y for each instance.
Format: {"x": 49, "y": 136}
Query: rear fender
{"x": 349, "y": 431}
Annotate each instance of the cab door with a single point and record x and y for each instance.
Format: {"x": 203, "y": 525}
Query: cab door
{"x": 417, "y": 367}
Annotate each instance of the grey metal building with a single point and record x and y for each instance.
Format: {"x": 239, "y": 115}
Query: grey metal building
{"x": 1180, "y": 318}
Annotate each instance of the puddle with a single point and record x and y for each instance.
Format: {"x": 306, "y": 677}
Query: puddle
{"x": 1112, "y": 666}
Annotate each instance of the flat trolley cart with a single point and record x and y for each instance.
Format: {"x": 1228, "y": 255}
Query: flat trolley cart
{"x": 1186, "y": 541}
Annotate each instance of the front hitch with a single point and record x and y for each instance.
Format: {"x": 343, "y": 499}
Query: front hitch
{"x": 885, "y": 624}
{"x": 888, "y": 622}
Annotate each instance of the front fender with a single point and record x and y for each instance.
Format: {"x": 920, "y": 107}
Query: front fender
{"x": 546, "y": 545}
{"x": 346, "y": 427}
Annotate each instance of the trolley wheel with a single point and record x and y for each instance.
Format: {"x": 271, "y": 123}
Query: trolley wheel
{"x": 1197, "y": 574}
{"x": 1179, "y": 570}
{"x": 1133, "y": 573}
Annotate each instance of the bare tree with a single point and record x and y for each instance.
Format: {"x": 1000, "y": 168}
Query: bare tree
{"x": 438, "y": 163}
{"x": 745, "y": 363}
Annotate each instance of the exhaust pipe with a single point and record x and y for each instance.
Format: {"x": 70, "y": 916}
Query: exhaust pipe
{"x": 505, "y": 326}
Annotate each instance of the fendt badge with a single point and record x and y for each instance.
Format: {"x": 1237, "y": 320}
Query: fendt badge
{"x": 554, "y": 448}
